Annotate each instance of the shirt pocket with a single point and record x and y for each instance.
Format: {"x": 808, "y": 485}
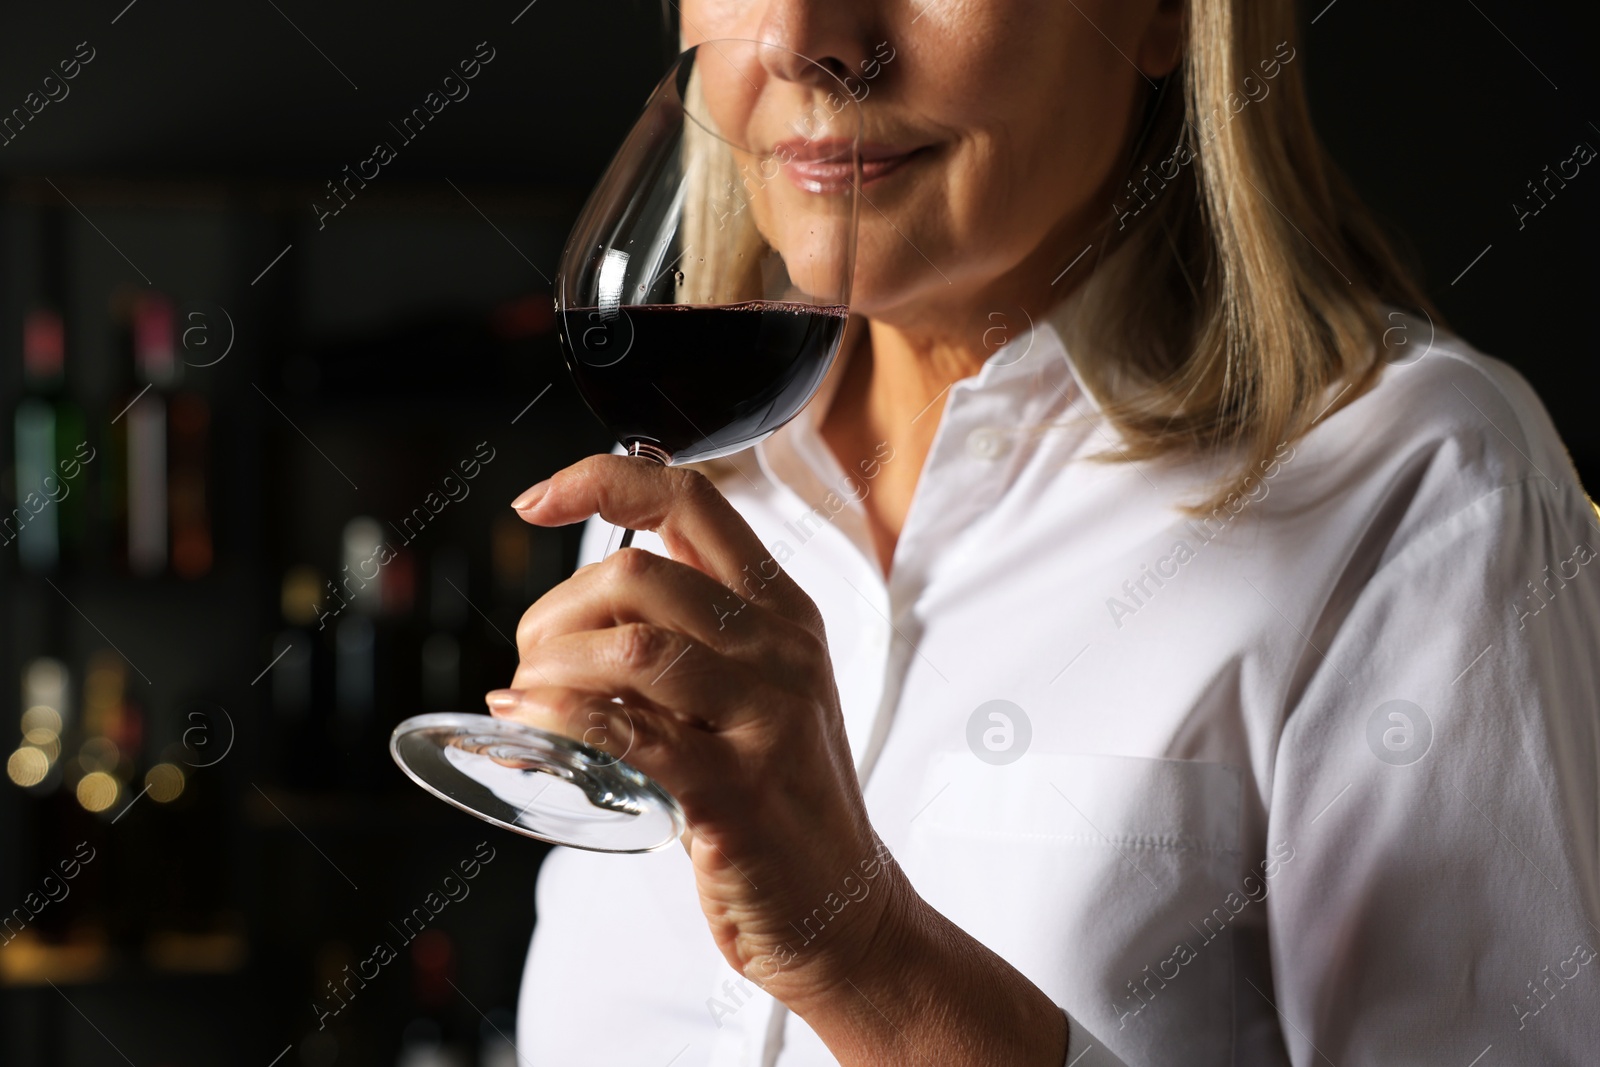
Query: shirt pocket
{"x": 1093, "y": 876}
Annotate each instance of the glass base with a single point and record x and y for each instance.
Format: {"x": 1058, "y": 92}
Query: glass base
{"x": 537, "y": 784}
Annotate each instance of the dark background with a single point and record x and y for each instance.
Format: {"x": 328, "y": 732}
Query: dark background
{"x": 370, "y": 358}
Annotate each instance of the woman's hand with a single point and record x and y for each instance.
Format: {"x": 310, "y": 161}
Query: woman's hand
{"x": 729, "y": 702}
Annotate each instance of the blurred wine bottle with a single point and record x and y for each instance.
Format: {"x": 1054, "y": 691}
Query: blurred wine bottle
{"x": 158, "y": 474}
{"x": 48, "y": 520}
{"x": 155, "y": 368}
{"x": 113, "y": 734}
{"x": 360, "y": 588}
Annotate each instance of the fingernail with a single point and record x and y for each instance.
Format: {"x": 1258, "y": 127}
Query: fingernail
{"x": 528, "y": 499}
{"x": 502, "y": 698}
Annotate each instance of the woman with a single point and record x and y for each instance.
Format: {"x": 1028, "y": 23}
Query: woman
{"x": 1156, "y": 644}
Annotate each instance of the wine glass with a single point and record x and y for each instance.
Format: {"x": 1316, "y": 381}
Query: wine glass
{"x": 701, "y": 299}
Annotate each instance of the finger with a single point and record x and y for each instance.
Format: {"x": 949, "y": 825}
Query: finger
{"x": 649, "y": 667}
{"x": 698, "y": 526}
{"x": 634, "y": 585}
{"x": 598, "y": 721}
{"x": 674, "y": 755}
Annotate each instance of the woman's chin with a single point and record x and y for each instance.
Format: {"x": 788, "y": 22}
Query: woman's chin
{"x": 902, "y": 296}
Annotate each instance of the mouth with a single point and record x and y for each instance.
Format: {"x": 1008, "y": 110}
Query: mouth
{"x": 825, "y": 166}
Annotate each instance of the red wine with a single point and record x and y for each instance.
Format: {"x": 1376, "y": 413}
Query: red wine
{"x": 699, "y": 382}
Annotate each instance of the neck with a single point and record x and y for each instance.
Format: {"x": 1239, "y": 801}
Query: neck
{"x": 896, "y": 371}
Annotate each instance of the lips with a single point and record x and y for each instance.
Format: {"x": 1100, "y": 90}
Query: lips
{"x": 825, "y": 166}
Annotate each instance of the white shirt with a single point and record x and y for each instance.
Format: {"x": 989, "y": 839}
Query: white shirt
{"x": 1219, "y": 839}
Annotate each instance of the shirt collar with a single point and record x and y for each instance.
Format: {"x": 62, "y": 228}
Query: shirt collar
{"x": 1040, "y": 356}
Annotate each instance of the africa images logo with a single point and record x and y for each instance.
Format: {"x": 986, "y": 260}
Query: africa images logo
{"x": 1399, "y": 733}
{"x": 998, "y": 732}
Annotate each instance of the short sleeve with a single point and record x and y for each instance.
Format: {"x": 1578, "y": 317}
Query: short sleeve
{"x": 1437, "y": 783}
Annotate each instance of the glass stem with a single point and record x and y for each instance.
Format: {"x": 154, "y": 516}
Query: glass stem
{"x": 621, "y": 536}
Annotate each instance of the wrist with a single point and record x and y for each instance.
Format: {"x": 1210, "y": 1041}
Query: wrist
{"x": 882, "y": 945}
{"x": 917, "y": 988}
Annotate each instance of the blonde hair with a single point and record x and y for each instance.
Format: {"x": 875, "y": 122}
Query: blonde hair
{"x": 716, "y": 200}
{"x": 1254, "y": 280}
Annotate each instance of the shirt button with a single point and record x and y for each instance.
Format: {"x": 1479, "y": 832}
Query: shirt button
{"x": 987, "y": 442}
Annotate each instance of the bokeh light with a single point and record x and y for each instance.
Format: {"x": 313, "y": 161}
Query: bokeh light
{"x": 97, "y": 791}
{"x": 165, "y": 782}
{"x": 41, "y": 717}
{"x": 27, "y": 766}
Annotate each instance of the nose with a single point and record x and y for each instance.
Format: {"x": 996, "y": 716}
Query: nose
{"x": 832, "y": 34}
